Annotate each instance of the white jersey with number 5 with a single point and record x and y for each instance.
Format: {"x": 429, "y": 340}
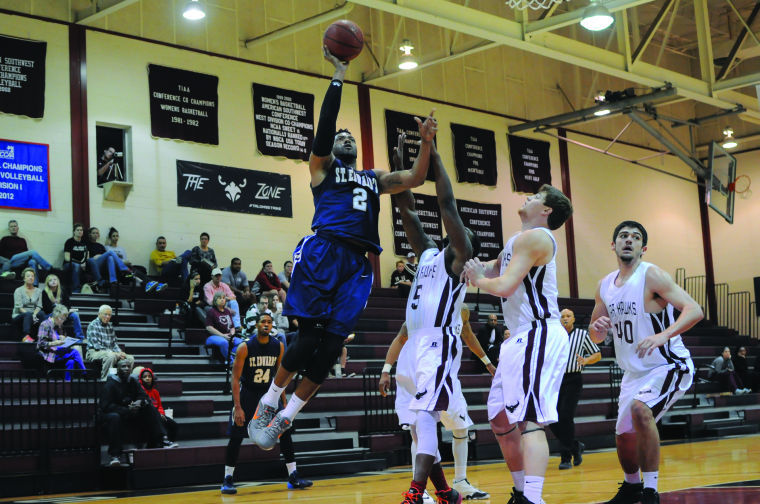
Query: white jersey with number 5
{"x": 631, "y": 323}
{"x": 435, "y": 299}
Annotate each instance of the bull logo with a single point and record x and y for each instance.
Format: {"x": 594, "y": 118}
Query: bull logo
{"x": 232, "y": 190}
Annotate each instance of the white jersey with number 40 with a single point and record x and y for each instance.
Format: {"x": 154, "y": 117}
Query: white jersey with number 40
{"x": 435, "y": 299}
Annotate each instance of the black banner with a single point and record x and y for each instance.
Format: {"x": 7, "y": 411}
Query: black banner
{"x": 183, "y": 104}
{"x": 201, "y": 185}
{"x": 430, "y": 217}
{"x": 474, "y": 154}
{"x": 397, "y": 123}
{"x": 22, "y": 76}
{"x": 531, "y": 167}
{"x": 284, "y": 122}
{"x": 485, "y": 221}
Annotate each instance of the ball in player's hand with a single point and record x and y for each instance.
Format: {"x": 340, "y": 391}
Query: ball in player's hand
{"x": 344, "y": 39}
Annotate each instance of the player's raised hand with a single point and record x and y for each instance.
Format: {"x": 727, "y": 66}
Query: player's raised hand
{"x": 384, "y": 384}
{"x": 474, "y": 271}
{"x": 428, "y": 127}
{"x": 648, "y": 344}
{"x": 398, "y": 153}
{"x": 339, "y": 65}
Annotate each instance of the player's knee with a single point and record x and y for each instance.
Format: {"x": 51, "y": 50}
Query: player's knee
{"x": 327, "y": 352}
{"x": 641, "y": 413}
{"x": 306, "y": 344}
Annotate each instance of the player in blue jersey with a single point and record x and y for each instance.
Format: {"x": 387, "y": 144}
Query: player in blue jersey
{"x": 332, "y": 277}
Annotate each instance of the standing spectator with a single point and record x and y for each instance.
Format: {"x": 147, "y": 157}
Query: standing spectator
{"x": 54, "y": 347}
{"x": 168, "y": 266}
{"x": 237, "y": 280}
{"x": 725, "y": 374}
{"x": 411, "y": 264}
{"x": 401, "y": 280}
{"x": 15, "y": 253}
{"x": 284, "y": 275}
{"x": 490, "y": 337}
{"x": 112, "y": 245}
{"x": 203, "y": 258}
{"x": 104, "y": 262}
{"x": 53, "y": 295}
{"x": 27, "y": 305}
{"x": 216, "y": 285}
{"x": 75, "y": 257}
{"x": 148, "y": 382}
{"x": 570, "y": 390}
{"x": 221, "y": 327}
{"x": 193, "y": 299}
{"x": 748, "y": 378}
{"x": 101, "y": 342}
{"x": 269, "y": 282}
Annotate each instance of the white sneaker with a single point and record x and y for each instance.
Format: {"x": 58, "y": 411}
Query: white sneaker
{"x": 467, "y": 491}
{"x": 427, "y": 498}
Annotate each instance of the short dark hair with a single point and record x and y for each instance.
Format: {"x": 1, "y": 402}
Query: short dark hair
{"x": 160, "y": 238}
{"x": 343, "y": 130}
{"x": 399, "y": 262}
{"x": 193, "y": 273}
{"x": 235, "y": 259}
{"x": 285, "y": 264}
{"x": 263, "y": 314}
{"x": 205, "y": 234}
{"x": 264, "y": 264}
{"x": 631, "y": 224}
{"x": 77, "y": 225}
{"x": 561, "y": 207}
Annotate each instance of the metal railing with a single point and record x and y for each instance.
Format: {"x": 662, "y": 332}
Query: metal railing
{"x": 615, "y": 377}
{"x": 379, "y": 411}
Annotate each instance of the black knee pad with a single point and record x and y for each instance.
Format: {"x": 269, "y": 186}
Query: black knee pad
{"x": 301, "y": 352}
{"x": 329, "y": 350}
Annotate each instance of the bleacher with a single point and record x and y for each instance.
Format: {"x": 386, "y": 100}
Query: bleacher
{"x": 331, "y": 433}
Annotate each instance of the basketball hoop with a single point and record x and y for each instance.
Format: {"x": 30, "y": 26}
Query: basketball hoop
{"x": 531, "y": 4}
{"x": 740, "y": 186}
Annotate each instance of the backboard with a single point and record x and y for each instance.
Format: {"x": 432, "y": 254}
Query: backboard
{"x": 718, "y": 194}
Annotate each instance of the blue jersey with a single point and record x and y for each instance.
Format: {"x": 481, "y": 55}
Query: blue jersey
{"x": 346, "y": 205}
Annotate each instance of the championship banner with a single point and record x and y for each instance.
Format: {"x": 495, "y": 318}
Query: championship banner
{"x": 485, "y": 221}
{"x": 397, "y": 123}
{"x": 474, "y": 154}
{"x": 24, "y": 175}
{"x": 284, "y": 122}
{"x": 531, "y": 167}
{"x": 183, "y": 105}
{"x": 22, "y": 76}
{"x": 430, "y": 217}
{"x": 214, "y": 187}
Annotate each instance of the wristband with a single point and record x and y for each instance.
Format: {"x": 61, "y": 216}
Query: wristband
{"x": 485, "y": 360}
{"x": 387, "y": 368}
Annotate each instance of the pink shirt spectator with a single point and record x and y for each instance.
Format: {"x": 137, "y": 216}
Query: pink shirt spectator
{"x": 210, "y": 289}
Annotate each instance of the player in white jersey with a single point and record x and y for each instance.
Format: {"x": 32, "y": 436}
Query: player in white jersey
{"x": 455, "y": 418}
{"x": 433, "y": 320}
{"x": 523, "y": 396}
{"x": 636, "y": 302}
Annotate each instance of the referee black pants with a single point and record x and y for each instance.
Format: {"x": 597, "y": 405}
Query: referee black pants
{"x": 564, "y": 429}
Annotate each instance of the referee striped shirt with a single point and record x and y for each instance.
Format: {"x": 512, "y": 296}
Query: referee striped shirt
{"x": 580, "y": 344}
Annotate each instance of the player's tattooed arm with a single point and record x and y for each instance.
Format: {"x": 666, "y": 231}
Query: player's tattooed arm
{"x": 398, "y": 181}
{"x": 391, "y": 357}
{"x": 600, "y": 318}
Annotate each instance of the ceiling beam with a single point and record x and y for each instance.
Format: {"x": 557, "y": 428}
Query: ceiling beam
{"x": 738, "y": 44}
{"x": 298, "y": 26}
{"x": 106, "y": 12}
{"x": 654, "y": 25}
{"x": 574, "y": 16}
{"x": 737, "y": 82}
{"x": 704, "y": 42}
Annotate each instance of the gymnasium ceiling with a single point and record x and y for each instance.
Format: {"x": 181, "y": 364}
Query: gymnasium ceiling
{"x": 481, "y": 53}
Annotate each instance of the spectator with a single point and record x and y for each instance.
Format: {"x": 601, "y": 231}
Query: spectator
{"x": 270, "y": 283}
{"x": 148, "y": 382}
{"x": 238, "y": 283}
{"x": 27, "y": 305}
{"x": 339, "y": 369}
{"x": 52, "y": 296}
{"x": 411, "y": 264}
{"x": 15, "y": 253}
{"x": 748, "y": 378}
{"x": 203, "y": 258}
{"x": 216, "y": 285}
{"x": 108, "y": 167}
{"x": 490, "y": 336}
{"x": 53, "y": 346}
{"x": 219, "y": 323}
{"x": 724, "y": 373}
{"x": 284, "y": 275}
{"x": 105, "y": 262}
{"x": 168, "y": 266}
{"x": 506, "y": 334}
{"x": 401, "y": 280}
{"x": 193, "y": 300}
{"x": 263, "y": 307}
{"x": 75, "y": 257}
{"x": 102, "y": 344}
{"x": 112, "y": 245}
{"x": 124, "y": 404}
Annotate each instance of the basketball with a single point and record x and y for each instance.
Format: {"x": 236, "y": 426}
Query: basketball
{"x": 344, "y": 39}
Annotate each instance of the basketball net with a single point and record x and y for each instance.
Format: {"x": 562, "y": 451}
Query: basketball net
{"x": 740, "y": 186}
{"x": 531, "y": 4}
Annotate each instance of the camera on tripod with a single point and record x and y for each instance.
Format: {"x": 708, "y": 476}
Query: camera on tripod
{"x": 118, "y": 154}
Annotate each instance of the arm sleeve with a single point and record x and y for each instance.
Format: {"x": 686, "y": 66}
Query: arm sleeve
{"x": 328, "y": 116}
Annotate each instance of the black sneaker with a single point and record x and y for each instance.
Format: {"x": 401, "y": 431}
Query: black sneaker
{"x": 294, "y": 482}
{"x": 228, "y": 487}
{"x": 578, "y": 453}
{"x": 628, "y": 493}
{"x": 650, "y": 496}
{"x": 517, "y": 497}
{"x": 566, "y": 463}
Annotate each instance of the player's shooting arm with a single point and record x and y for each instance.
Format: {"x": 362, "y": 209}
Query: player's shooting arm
{"x": 395, "y": 182}
{"x": 452, "y": 222}
{"x": 663, "y": 285}
{"x": 600, "y": 318}
{"x": 416, "y": 235}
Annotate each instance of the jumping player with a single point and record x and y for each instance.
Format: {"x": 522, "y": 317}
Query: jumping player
{"x": 255, "y": 363}
{"x": 637, "y": 302}
{"x": 331, "y": 276}
{"x": 525, "y": 388}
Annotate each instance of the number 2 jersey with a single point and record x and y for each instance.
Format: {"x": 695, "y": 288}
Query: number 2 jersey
{"x": 260, "y": 366}
{"x": 346, "y": 205}
{"x": 631, "y": 324}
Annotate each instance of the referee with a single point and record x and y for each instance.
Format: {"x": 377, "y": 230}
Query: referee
{"x": 570, "y": 391}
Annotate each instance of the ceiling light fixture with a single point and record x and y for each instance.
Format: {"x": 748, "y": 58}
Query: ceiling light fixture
{"x": 194, "y": 11}
{"x": 729, "y": 142}
{"x": 407, "y": 60}
{"x": 596, "y": 17}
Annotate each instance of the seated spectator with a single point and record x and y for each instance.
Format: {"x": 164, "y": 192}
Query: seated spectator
{"x": 411, "y": 264}
{"x": 27, "y": 305}
{"x": 219, "y": 323}
{"x": 401, "y": 280}
{"x": 140, "y": 273}
{"x": 271, "y": 306}
{"x": 168, "y": 266}
{"x": 270, "y": 283}
{"x": 216, "y": 285}
{"x": 490, "y": 337}
{"x": 148, "y": 382}
{"x": 203, "y": 259}
{"x": 125, "y": 405}
{"x": 339, "y": 370}
{"x": 106, "y": 262}
{"x": 193, "y": 300}
{"x": 748, "y": 378}
{"x": 237, "y": 280}
{"x": 53, "y": 346}
{"x": 52, "y": 296}
{"x": 75, "y": 257}
{"x": 15, "y": 253}
{"x": 284, "y": 275}
{"x": 725, "y": 374}
{"x": 102, "y": 344}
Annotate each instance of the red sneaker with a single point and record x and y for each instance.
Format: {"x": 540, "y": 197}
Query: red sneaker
{"x": 413, "y": 496}
{"x": 449, "y": 496}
